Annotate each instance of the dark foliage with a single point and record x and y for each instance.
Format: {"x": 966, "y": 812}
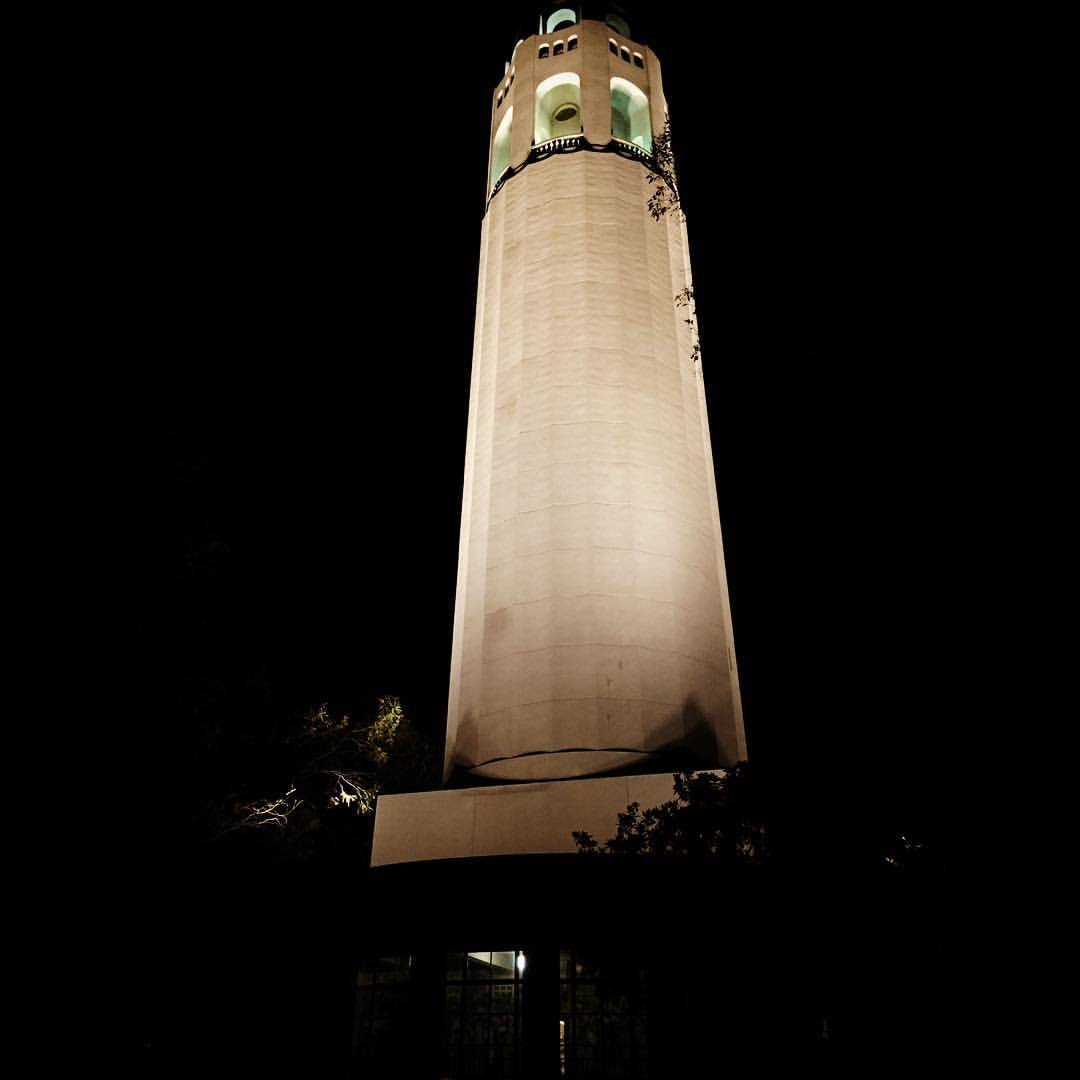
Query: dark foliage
{"x": 665, "y": 198}
{"x": 736, "y": 817}
{"x": 330, "y": 772}
{"x": 714, "y": 815}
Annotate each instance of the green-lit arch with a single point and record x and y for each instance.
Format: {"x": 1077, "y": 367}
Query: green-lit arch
{"x": 630, "y": 120}
{"x": 561, "y": 18}
{"x": 558, "y": 107}
{"x": 500, "y": 148}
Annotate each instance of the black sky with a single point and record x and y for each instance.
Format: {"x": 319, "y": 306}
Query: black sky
{"x": 307, "y": 197}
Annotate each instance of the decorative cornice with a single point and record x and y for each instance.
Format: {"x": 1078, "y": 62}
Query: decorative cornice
{"x": 570, "y": 144}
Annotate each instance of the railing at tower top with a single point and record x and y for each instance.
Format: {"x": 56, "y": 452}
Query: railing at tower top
{"x": 563, "y": 144}
{"x": 553, "y": 146}
{"x": 633, "y": 148}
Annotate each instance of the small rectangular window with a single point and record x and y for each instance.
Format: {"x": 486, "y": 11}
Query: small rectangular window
{"x": 393, "y": 969}
{"x": 482, "y": 1017}
{"x": 479, "y": 965}
{"x": 502, "y": 965}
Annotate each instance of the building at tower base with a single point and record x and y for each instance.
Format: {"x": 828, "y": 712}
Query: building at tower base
{"x": 507, "y": 819}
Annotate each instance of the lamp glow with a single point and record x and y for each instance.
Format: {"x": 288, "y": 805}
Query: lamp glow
{"x": 521, "y": 963}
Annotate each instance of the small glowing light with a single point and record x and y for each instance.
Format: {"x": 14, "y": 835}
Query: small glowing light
{"x": 521, "y": 963}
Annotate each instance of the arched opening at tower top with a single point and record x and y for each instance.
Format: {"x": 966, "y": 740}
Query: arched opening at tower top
{"x": 630, "y": 119}
{"x": 500, "y": 148}
{"x": 558, "y": 107}
{"x": 617, "y": 23}
{"x": 560, "y": 19}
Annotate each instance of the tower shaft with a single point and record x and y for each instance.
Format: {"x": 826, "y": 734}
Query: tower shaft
{"x": 592, "y": 625}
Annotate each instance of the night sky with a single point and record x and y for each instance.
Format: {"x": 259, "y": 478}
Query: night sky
{"x": 308, "y": 195}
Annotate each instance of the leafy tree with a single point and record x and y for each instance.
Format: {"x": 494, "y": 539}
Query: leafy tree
{"x": 665, "y": 200}
{"x": 713, "y": 815}
{"x": 902, "y": 852}
{"x": 685, "y": 299}
{"x": 665, "y": 197}
{"x": 733, "y": 817}
{"x": 329, "y": 773}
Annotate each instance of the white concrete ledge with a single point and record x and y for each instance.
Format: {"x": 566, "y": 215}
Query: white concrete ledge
{"x": 508, "y": 819}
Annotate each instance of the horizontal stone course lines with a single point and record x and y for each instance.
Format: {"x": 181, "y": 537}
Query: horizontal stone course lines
{"x": 512, "y": 560}
{"x": 590, "y": 535}
{"x": 586, "y": 595}
{"x": 693, "y": 523}
{"x": 555, "y": 700}
{"x": 577, "y": 423}
{"x": 613, "y": 645}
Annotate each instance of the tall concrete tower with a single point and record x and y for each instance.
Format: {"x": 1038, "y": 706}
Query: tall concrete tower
{"x": 592, "y": 631}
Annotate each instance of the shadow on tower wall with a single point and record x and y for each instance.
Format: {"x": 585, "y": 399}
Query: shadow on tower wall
{"x": 686, "y": 739}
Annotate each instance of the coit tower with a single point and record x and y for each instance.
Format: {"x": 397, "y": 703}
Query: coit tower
{"x": 592, "y": 628}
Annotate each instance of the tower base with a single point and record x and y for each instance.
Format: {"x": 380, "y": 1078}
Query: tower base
{"x": 507, "y": 819}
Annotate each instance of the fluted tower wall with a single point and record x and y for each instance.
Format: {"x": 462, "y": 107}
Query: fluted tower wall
{"x": 592, "y": 624}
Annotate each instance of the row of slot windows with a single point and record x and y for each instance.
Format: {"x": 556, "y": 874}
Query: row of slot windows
{"x": 613, "y": 47}
{"x": 557, "y": 49}
{"x": 624, "y": 52}
{"x": 506, "y": 89}
{"x": 571, "y": 45}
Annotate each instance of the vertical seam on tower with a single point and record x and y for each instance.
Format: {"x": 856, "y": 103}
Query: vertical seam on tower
{"x": 492, "y": 411}
{"x": 461, "y": 592}
{"x": 481, "y": 611}
{"x": 645, "y": 222}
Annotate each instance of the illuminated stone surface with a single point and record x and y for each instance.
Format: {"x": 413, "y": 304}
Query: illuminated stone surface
{"x": 592, "y": 623}
{"x": 592, "y": 628}
{"x": 507, "y": 819}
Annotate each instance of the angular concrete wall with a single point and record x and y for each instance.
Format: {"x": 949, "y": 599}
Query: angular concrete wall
{"x": 507, "y": 819}
{"x": 592, "y": 624}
